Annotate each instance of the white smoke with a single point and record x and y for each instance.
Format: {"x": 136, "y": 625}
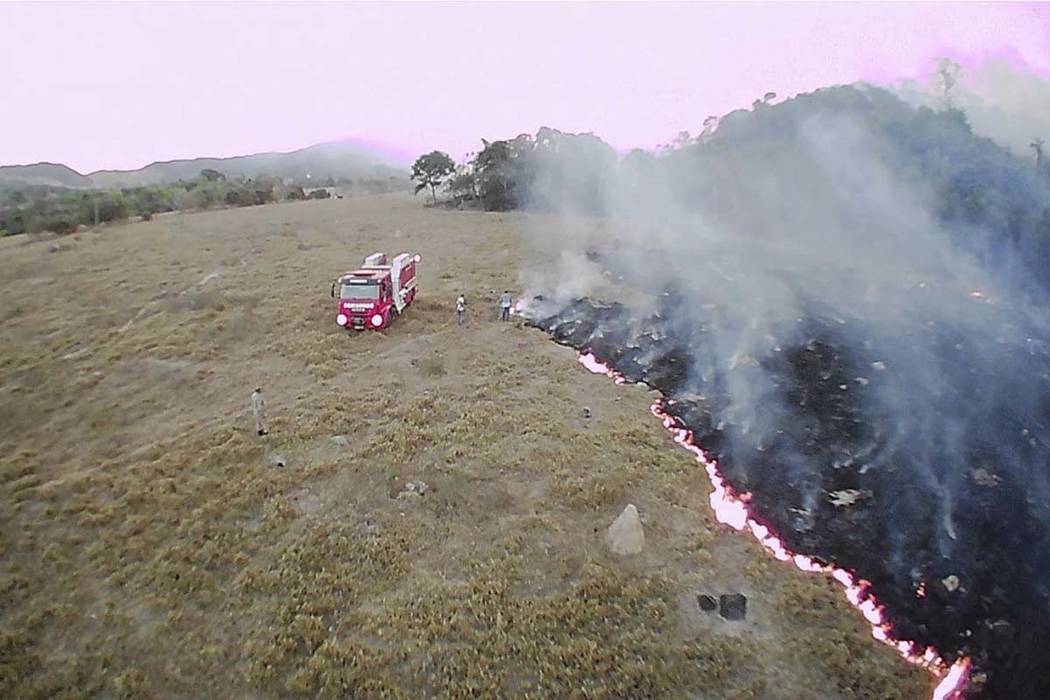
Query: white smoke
{"x": 1005, "y": 104}
{"x": 813, "y": 216}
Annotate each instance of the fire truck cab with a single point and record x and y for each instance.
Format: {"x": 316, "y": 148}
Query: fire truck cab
{"x": 372, "y": 295}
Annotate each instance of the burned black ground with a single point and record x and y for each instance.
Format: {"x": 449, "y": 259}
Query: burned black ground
{"x": 835, "y": 484}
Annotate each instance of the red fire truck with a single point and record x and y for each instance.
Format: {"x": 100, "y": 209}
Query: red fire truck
{"x": 372, "y": 295}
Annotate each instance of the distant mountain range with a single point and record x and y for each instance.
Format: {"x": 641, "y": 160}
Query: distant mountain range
{"x": 339, "y": 160}
{"x": 43, "y": 175}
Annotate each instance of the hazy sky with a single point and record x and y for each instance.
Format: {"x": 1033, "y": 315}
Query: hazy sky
{"x": 121, "y": 85}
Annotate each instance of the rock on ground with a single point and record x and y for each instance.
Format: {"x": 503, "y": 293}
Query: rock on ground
{"x": 625, "y": 535}
{"x": 414, "y": 489}
{"x": 732, "y": 606}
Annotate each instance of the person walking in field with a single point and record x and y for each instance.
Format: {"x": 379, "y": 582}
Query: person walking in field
{"x": 259, "y": 410}
{"x": 461, "y": 309}
{"x": 505, "y": 302}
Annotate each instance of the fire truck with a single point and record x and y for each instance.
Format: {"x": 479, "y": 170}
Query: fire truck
{"x": 372, "y": 295}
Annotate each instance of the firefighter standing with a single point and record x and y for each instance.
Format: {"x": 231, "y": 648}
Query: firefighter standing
{"x": 461, "y": 309}
{"x": 505, "y": 302}
{"x": 259, "y": 410}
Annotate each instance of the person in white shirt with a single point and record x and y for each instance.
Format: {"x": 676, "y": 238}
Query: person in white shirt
{"x": 505, "y": 301}
{"x": 461, "y": 309}
{"x": 259, "y": 410}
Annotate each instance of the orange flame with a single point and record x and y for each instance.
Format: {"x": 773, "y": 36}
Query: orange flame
{"x": 954, "y": 682}
{"x": 730, "y": 508}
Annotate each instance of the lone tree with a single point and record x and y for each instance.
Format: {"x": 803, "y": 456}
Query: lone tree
{"x": 431, "y": 170}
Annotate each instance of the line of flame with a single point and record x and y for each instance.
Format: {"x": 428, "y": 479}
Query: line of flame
{"x": 730, "y": 508}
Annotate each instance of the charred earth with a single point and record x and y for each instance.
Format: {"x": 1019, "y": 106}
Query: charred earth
{"x": 951, "y": 538}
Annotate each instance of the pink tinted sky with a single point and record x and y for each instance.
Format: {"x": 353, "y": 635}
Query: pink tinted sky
{"x": 120, "y": 85}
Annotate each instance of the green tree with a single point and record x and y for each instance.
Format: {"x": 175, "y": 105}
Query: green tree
{"x": 431, "y": 170}
{"x": 503, "y": 172}
{"x": 463, "y": 185}
{"x": 212, "y": 175}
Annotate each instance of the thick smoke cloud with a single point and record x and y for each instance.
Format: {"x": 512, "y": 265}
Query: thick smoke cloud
{"x": 1007, "y": 105}
{"x": 832, "y": 220}
{"x": 803, "y": 214}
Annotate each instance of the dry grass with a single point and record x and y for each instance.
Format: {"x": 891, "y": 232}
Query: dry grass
{"x": 149, "y": 547}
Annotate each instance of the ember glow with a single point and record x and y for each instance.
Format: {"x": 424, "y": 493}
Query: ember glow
{"x": 592, "y": 363}
{"x": 954, "y": 682}
{"x": 731, "y": 508}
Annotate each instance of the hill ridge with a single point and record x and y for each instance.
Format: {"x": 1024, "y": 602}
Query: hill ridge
{"x": 335, "y": 159}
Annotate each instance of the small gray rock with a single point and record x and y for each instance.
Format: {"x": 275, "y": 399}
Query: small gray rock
{"x": 278, "y": 460}
{"x": 341, "y": 440}
{"x": 414, "y": 489}
{"x": 77, "y": 354}
{"x": 706, "y": 602}
{"x": 732, "y": 606}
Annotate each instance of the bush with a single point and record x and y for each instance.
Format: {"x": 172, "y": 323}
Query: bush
{"x": 111, "y": 207}
{"x": 264, "y": 189}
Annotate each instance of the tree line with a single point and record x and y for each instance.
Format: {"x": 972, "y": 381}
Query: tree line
{"x": 990, "y": 200}
{"x": 37, "y": 209}
{"x": 501, "y": 176}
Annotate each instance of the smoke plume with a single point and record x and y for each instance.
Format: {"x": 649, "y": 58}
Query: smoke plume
{"x": 887, "y": 242}
{"x": 1007, "y": 105}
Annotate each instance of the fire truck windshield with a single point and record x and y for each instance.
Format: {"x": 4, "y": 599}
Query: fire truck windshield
{"x": 359, "y": 291}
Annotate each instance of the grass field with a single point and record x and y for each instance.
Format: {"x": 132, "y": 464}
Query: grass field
{"x": 150, "y": 548}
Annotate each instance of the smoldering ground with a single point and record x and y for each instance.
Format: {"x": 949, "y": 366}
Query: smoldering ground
{"x": 845, "y": 328}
